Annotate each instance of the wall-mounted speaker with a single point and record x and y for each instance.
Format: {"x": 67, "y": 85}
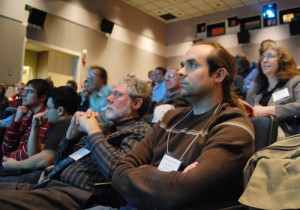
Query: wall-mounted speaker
{"x": 295, "y": 27}
{"x": 37, "y": 17}
{"x": 243, "y": 37}
{"x": 107, "y": 26}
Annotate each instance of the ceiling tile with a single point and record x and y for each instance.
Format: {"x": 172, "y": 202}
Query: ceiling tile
{"x": 203, "y": 8}
{"x": 176, "y": 1}
{"x": 138, "y": 2}
{"x": 233, "y": 6}
{"x": 158, "y": 12}
{"x": 191, "y": 11}
{"x": 149, "y": 7}
{"x": 196, "y": 2}
{"x": 184, "y": 5}
{"x": 171, "y": 9}
{"x": 162, "y": 3}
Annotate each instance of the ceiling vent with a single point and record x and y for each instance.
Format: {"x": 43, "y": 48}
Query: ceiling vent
{"x": 168, "y": 16}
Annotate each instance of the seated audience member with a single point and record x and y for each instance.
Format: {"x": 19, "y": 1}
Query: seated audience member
{"x": 6, "y": 116}
{"x": 277, "y": 89}
{"x": 72, "y": 84}
{"x": 61, "y": 106}
{"x": 4, "y": 102}
{"x": 34, "y": 98}
{"x": 16, "y": 99}
{"x": 97, "y": 78}
{"x": 172, "y": 98}
{"x": 246, "y": 70}
{"x": 84, "y": 95}
{"x": 75, "y": 185}
{"x": 151, "y": 78}
{"x": 159, "y": 89}
{"x": 194, "y": 157}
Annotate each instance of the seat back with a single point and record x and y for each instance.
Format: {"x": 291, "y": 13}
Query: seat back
{"x": 266, "y": 130}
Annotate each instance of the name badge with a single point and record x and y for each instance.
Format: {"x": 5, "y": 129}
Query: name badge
{"x": 169, "y": 163}
{"x": 280, "y": 94}
{"x": 79, "y": 154}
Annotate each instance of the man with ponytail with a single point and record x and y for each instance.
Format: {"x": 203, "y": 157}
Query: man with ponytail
{"x": 194, "y": 157}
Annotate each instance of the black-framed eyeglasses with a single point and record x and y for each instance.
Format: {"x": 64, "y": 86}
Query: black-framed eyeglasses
{"x": 28, "y": 91}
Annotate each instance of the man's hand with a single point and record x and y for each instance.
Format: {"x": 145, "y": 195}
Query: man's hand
{"x": 21, "y": 111}
{"x": 88, "y": 122}
{"x": 39, "y": 119}
{"x": 9, "y": 163}
{"x": 74, "y": 130}
{"x": 190, "y": 167}
{"x": 263, "y": 110}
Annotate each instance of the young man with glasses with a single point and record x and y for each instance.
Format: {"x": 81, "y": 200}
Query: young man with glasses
{"x": 61, "y": 105}
{"x": 77, "y": 180}
{"x": 34, "y": 98}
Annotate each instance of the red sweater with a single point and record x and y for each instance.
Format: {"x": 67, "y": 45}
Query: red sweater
{"x": 16, "y": 137}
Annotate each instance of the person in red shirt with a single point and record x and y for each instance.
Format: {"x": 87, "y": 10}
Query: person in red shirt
{"x": 16, "y": 136}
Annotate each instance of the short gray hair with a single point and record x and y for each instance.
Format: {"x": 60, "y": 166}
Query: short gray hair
{"x": 138, "y": 89}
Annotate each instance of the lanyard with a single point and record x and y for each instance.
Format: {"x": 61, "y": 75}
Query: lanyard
{"x": 193, "y": 139}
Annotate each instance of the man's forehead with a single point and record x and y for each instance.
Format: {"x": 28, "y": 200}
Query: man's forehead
{"x": 121, "y": 87}
{"x": 27, "y": 87}
{"x": 198, "y": 51}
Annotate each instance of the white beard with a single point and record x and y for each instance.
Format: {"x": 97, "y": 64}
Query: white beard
{"x": 115, "y": 115}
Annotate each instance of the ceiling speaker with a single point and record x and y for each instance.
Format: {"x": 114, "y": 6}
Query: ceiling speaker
{"x": 37, "y": 17}
{"x": 107, "y": 26}
{"x": 243, "y": 37}
{"x": 295, "y": 27}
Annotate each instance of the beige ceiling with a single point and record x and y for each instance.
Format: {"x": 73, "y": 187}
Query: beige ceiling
{"x": 185, "y": 9}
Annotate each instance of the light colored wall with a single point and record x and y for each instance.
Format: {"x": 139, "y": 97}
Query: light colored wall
{"x": 136, "y": 44}
{"x": 30, "y": 59}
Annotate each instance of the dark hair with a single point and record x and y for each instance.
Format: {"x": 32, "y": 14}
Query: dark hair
{"x": 287, "y": 67}
{"x": 65, "y": 97}
{"x": 219, "y": 57}
{"x": 42, "y": 86}
{"x": 161, "y": 69}
{"x": 102, "y": 73}
{"x": 73, "y": 83}
{"x": 3, "y": 87}
{"x": 242, "y": 62}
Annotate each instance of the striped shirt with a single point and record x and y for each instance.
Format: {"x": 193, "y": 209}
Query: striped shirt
{"x": 16, "y": 137}
{"x": 106, "y": 152}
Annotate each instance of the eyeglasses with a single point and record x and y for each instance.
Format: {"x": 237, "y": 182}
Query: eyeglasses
{"x": 28, "y": 91}
{"x": 170, "y": 76}
{"x": 91, "y": 75}
{"x": 268, "y": 55}
{"x": 117, "y": 94}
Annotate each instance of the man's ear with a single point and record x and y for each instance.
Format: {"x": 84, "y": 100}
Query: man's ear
{"x": 61, "y": 111}
{"x": 43, "y": 98}
{"x": 220, "y": 74}
{"x": 137, "y": 103}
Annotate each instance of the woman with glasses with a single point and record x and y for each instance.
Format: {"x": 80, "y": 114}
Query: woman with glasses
{"x": 277, "y": 89}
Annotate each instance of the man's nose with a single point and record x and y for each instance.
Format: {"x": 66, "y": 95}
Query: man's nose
{"x": 182, "y": 72}
{"x": 109, "y": 98}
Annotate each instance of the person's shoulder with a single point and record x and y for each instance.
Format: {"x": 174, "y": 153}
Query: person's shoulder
{"x": 106, "y": 90}
{"x": 295, "y": 79}
{"x": 174, "y": 114}
{"x": 138, "y": 126}
{"x": 233, "y": 114}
